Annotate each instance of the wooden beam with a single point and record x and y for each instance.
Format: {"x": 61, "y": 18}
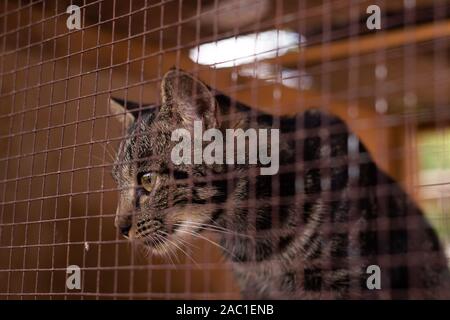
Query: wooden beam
{"x": 377, "y": 41}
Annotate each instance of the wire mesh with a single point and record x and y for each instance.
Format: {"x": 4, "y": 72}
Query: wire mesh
{"x": 59, "y": 138}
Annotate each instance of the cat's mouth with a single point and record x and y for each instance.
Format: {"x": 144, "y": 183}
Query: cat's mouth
{"x": 151, "y": 234}
{"x": 160, "y": 240}
{"x": 158, "y": 243}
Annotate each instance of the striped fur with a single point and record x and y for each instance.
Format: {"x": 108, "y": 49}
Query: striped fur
{"x": 308, "y": 232}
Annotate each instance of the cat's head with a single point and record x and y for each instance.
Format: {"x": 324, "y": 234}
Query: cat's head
{"x": 161, "y": 202}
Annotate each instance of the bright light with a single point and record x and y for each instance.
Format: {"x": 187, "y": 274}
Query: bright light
{"x": 245, "y": 49}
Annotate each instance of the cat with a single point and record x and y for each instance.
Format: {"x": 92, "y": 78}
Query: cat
{"x": 315, "y": 230}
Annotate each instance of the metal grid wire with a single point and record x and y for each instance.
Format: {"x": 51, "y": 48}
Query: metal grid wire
{"x": 58, "y": 139}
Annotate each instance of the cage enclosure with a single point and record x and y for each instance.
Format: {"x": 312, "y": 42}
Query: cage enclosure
{"x": 90, "y": 91}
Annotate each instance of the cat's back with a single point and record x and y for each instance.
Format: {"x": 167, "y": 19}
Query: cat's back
{"x": 348, "y": 215}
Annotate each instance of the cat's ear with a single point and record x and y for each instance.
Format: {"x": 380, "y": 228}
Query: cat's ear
{"x": 117, "y": 108}
{"x": 187, "y": 99}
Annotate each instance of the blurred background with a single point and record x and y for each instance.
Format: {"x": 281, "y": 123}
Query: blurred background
{"x": 57, "y": 139}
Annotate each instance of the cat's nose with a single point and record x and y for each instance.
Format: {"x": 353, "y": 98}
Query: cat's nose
{"x": 125, "y": 229}
{"x": 124, "y": 225}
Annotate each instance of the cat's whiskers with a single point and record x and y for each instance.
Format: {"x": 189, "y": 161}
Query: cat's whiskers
{"x": 186, "y": 243}
{"x": 171, "y": 251}
{"x": 143, "y": 250}
{"x": 222, "y": 258}
{"x": 173, "y": 242}
{"x": 146, "y": 250}
{"x": 197, "y": 235}
{"x": 93, "y": 156}
{"x": 163, "y": 250}
{"x": 202, "y": 224}
{"x": 109, "y": 154}
{"x": 213, "y": 228}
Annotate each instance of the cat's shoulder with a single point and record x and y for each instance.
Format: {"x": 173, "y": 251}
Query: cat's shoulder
{"x": 313, "y": 121}
{"x": 316, "y": 118}
{"x": 308, "y": 119}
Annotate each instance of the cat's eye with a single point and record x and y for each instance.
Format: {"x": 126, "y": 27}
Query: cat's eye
{"x": 147, "y": 181}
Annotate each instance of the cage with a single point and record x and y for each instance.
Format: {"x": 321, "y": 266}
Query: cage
{"x": 380, "y": 66}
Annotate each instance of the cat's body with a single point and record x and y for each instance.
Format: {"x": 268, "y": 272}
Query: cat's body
{"x": 310, "y": 231}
